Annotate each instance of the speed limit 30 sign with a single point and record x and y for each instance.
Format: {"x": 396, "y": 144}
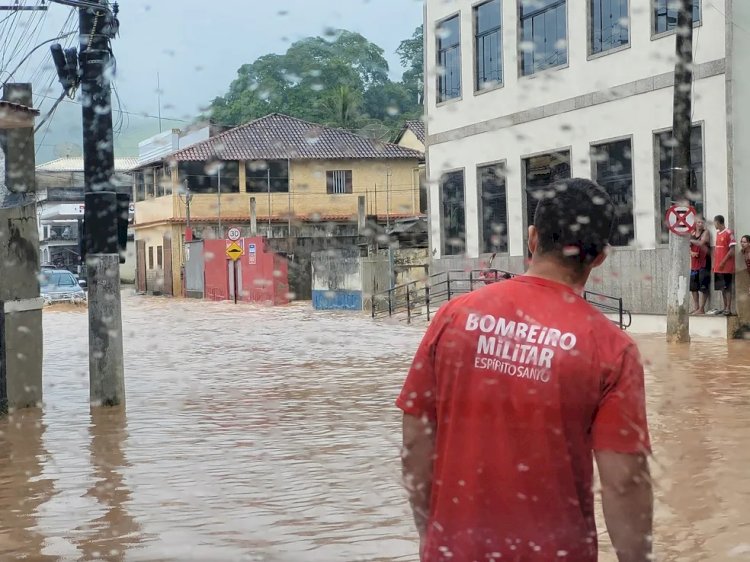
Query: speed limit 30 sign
{"x": 234, "y": 234}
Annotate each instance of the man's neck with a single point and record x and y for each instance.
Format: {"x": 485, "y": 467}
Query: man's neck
{"x": 553, "y": 271}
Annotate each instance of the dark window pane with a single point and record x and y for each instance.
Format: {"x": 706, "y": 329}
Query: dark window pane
{"x": 614, "y": 172}
{"x": 666, "y": 144}
{"x": 263, "y": 176}
{"x": 609, "y": 24}
{"x": 543, "y": 35}
{"x": 449, "y": 59}
{"x": 665, "y": 14}
{"x": 339, "y": 182}
{"x": 203, "y": 177}
{"x": 488, "y": 16}
{"x": 494, "y": 208}
{"x": 488, "y": 54}
{"x": 453, "y": 213}
{"x": 541, "y": 172}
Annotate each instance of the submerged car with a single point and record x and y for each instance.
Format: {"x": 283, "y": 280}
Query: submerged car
{"x": 60, "y": 286}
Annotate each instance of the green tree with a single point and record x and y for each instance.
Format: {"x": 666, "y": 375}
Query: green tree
{"x": 318, "y": 79}
{"x": 411, "y": 53}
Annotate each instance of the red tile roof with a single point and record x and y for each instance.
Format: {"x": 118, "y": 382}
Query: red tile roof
{"x": 417, "y": 127}
{"x": 280, "y": 137}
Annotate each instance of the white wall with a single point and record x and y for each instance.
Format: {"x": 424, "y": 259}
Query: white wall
{"x": 644, "y": 58}
{"x": 637, "y": 116}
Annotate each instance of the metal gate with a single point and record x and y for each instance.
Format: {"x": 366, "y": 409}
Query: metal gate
{"x": 194, "y": 276}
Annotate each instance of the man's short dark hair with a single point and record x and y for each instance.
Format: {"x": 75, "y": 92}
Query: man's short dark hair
{"x": 574, "y": 220}
{"x": 719, "y": 219}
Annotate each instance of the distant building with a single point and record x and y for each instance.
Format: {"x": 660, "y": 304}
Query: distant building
{"x": 520, "y": 93}
{"x": 303, "y": 179}
{"x": 60, "y": 205}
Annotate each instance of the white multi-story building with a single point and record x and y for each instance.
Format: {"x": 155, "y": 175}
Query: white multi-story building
{"x": 520, "y": 92}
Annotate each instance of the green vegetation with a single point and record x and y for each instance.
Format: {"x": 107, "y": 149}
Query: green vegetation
{"x": 339, "y": 80}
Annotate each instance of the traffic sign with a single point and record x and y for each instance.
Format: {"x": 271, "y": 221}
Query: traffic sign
{"x": 234, "y": 234}
{"x": 251, "y": 254}
{"x": 681, "y": 219}
{"x": 234, "y": 252}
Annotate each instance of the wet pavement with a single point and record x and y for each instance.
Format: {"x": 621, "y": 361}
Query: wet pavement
{"x": 270, "y": 434}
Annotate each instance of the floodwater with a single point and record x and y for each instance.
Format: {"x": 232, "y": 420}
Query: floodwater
{"x": 271, "y": 435}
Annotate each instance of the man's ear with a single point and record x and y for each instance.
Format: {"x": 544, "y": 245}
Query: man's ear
{"x": 533, "y": 239}
{"x": 600, "y": 258}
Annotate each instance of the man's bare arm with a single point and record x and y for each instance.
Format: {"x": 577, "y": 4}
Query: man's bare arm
{"x": 417, "y": 456}
{"x": 627, "y": 499}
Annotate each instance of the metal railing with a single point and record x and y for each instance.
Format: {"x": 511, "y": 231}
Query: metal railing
{"x": 423, "y": 298}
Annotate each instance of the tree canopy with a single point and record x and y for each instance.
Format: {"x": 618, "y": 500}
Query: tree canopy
{"x": 339, "y": 80}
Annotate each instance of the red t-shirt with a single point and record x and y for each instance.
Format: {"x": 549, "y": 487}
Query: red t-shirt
{"x": 522, "y": 379}
{"x": 698, "y": 256}
{"x": 724, "y": 241}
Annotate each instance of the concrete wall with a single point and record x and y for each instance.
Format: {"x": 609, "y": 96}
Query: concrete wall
{"x": 738, "y": 118}
{"x": 260, "y": 275}
{"x": 645, "y": 57}
{"x": 21, "y": 341}
{"x": 337, "y": 280}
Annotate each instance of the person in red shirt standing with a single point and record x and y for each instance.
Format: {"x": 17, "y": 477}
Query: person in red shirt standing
{"x": 724, "y": 262}
{"x": 514, "y": 388}
{"x": 745, "y": 247}
{"x": 700, "y": 266}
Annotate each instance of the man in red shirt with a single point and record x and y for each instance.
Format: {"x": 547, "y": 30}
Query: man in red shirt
{"x": 513, "y": 387}
{"x": 724, "y": 262}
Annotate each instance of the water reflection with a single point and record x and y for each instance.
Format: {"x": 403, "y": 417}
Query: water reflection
{"x": 23, "y": 486}
{"x": 256, "y": 434}
{"x": 110, "y": 535}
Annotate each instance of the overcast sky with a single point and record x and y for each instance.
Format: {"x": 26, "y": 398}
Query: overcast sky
{"x": 197, "y": 46}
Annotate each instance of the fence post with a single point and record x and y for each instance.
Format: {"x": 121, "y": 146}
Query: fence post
{"x": 622, "y": 318}
{"x": 448, "y": 283}
{"x": 471, "y": 281}
{"x": 427, "y": 300}
{"x": 390, "y": 302}
{"x": 372, "y": 302}
{"x": 408, "y": 306}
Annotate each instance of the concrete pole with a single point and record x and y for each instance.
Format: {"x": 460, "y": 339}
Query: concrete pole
{"x": 678, "y": 297}
{"x": 361, "y": 215}
{"x": 21, "y": 338}
{"x": 106, "y": 370}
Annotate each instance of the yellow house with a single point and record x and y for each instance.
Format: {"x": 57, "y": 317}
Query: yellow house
{"x": 302, "y": 179}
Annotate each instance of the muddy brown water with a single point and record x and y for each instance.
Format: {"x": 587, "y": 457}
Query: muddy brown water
{"x": 270, "y": 434}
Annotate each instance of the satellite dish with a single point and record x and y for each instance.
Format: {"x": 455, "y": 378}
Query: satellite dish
{"x": 68, "y": 150}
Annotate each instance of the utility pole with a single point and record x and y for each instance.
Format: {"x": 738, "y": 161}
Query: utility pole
{"x": 678, "y": 296}
{"x": 106, "y": 370}
{"x": 219, "y": 234}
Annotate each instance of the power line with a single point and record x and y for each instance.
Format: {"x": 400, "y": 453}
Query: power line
{"x": 145, "y": 115}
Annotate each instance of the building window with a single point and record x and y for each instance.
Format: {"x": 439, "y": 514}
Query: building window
{"x": 148, "y": 178}
{"x": 665, "y": 15}
{"x": 544, "y": 36}
{"x": 665, "y": 146}
{"x": 140, "y": 186}
{"x": 452, "y": 204}
{"x": 449, "y": 59}
{"x": 613, "y": 170}
{"x": 203, "y": 177}
{"x": 488, "y": 41}
{"x": 610, "y": 25}
{"x": 494, "y": 208}
{"x": 540, "y": 173}
{"x": 339, "y": 182}
{"x": 151, "y": 257}
{"x": 265, "y": 176}
{"x": 159, "y": 257}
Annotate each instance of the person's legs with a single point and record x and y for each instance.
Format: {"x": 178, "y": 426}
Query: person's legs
{"x": 696, "y": 306}
{"x": 728, "y": 286}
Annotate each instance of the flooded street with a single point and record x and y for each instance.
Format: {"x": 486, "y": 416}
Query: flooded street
{"x": 271, "y": 434}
